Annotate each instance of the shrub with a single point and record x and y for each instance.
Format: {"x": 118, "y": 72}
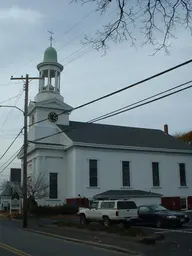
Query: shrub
{"x": 54, "y": 210}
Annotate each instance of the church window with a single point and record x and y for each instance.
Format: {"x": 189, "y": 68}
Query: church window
{"x": 182, "y": 174}
{"x": 155, "y": 174}
{"x": 125, "y": 174}
{"x": 93, "y": 173}
{"x": 53, "y": 185}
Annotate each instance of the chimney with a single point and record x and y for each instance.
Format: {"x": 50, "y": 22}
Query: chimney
{"x": 166, "y": 129}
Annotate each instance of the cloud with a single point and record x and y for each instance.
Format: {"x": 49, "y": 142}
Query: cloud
{"x": 18, "y": 14}
{"x": 23, "y": 41}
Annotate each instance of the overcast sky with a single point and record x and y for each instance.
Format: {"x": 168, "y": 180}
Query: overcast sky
{"x": 87, "y": 74}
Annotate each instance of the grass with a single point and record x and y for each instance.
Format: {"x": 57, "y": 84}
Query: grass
{"x": 121, "y": 231}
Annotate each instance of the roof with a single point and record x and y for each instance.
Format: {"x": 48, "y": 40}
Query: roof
{"x": 129, "y": 193}
{"x": 7, "y": 192}
{"x": 50, "y": 55}
{"x": 121, "y": 135}
{"x": 123, "y": 194}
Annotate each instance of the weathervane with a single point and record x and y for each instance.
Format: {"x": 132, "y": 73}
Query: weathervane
{"x": 51, "y": 37}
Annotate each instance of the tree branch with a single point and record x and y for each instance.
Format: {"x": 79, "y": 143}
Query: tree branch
{"x": 159, "y": 18}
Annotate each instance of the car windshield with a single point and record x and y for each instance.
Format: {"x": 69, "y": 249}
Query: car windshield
{"x": 158, "y": 208}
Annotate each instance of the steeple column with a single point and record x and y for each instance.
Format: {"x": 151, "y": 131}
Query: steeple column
{"x": 59, "y": 82}
{"x": 49, "y": 77}
{"x": 41, "y": 81}
{"x": 56, "y": 81}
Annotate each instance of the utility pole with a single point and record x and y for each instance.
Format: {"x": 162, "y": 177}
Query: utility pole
{"x": 25, "y": 145}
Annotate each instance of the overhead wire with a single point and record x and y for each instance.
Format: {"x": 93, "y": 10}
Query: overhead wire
{"x": 137, "y": 102}
{"x": 11, "y": 144}
{"x": 18, "y": 97}
{"x": 127, "y": 109}
{"x": 65, "y": 33}
{"x": 7, "y": 163}
{"x": 122, "y": 89}
{"x": 142, "y": 104}
{"x": 86, "y": 46}
{"x": 78, "y": 22}
{"x": 10, "y": 98}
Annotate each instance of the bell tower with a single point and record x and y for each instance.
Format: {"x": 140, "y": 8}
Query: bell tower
{"x": 45, "y": 111}
{"x": 50, "y": 70}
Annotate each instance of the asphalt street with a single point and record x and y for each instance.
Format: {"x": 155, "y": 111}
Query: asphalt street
{"x": 15, "y": 241}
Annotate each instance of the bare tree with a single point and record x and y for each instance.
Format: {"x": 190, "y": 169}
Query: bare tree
{"x": 36, "y": 187}
{"x": 156, "y": 19}
{"x": 7, "y": 188}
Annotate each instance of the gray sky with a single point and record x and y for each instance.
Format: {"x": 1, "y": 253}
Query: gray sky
{"x": 24, "y": 37}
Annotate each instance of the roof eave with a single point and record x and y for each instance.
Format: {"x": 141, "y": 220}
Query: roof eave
{"x": 132, "y": 148}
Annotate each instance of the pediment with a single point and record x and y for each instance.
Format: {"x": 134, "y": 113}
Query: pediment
{"x": 52, "y": 104}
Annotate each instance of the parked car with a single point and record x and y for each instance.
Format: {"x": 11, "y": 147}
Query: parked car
{"x": 109, "y": 211}
{"x": 160, "y": 216}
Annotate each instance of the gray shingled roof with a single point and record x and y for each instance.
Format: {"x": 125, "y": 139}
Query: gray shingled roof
{"x": 121, "y": 135}
{"x": 120, "y": 194}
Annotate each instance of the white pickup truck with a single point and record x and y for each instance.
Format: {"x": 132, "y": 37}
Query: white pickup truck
{"x": 109, "y": 211}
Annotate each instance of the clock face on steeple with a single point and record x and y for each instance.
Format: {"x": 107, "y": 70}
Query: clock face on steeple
{"x": 53, "y": 117}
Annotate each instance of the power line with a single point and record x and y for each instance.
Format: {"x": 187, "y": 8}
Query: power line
{"x": 83, "y": 53}
{"x": 11, "y": 144}
{"x": 73, "y": 53}
{"x": 127, "y": 109}
{"x": 77, "y": 23}
{"x": 18, "y": 97}
{"x": 66, "y": 32}
{"x": 142, "y": 104}
{"x": 11, "y": 159}
{"x": 137, "y": 102}
{"x": 123, "y": 89}
{"x": 9, "y": 99}
{"x": 85, "y": 46}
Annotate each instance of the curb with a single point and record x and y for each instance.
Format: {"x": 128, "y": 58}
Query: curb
{"x": 104, "y": 246}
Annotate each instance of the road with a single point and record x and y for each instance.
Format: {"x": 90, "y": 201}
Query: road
{"x": 177, "y": 242}
{"x": 15, "y": 241}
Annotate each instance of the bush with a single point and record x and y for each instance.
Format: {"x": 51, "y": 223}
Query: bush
{"x": 54, "y": 210}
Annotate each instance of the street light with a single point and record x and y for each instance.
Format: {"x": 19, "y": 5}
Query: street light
{"x": 11, "y": 106}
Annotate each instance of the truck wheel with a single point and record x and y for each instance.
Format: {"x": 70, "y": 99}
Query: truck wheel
{"x": 106, "y": 221}
{"x": 83, "y": 219}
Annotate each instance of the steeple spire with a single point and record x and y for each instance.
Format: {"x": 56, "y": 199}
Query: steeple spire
{"x": 51, "y": 37}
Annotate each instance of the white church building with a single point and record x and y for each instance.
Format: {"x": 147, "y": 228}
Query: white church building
{"x": 86, "y": 159}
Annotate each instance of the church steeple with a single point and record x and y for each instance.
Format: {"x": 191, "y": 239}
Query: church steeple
{"x": 50, "y": 70}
